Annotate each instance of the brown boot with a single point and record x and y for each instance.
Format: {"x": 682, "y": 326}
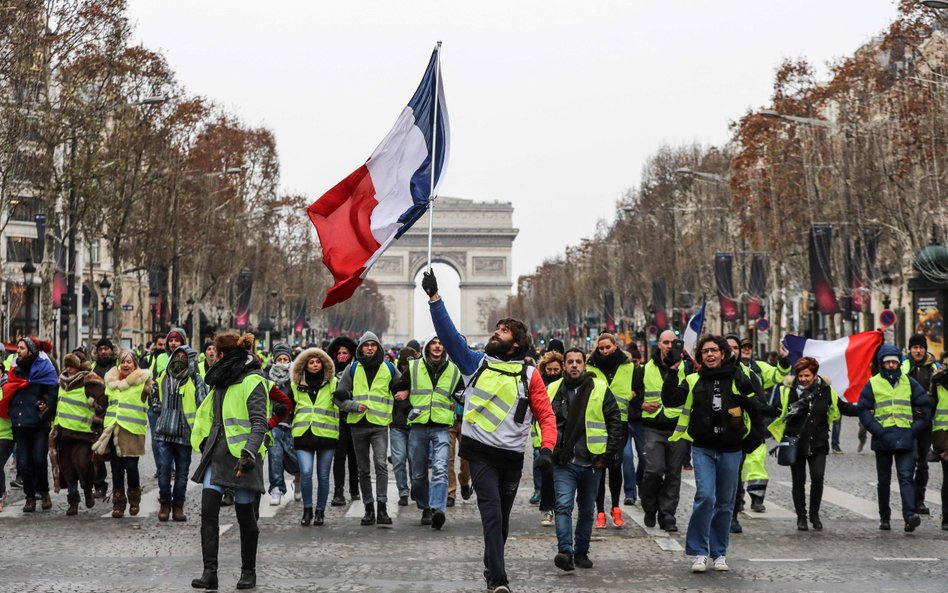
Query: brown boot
{"x": 47, "y": 502}
{"x": 29, "y": 505}
{"x": 118, "y": 504}
{"x": 134, "y": 499}
{"x": 178, "y": 511}
{"x": 164, "y": 510}
{"x": 73, "y": 500}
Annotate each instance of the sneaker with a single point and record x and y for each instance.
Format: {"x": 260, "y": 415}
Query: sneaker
{"x": 466, "y": 491}
{"x": 837, "y": 451}
{"x": 720, "y": 564}
{"x": 700, "y": 564}
{"x": 535, "y": 499}
{"x": 437, "y": 520}
{"x": 600, "y": 521}
{"x": 338, "y": 501}
{"x": 547, "y": 519}
{"x": 581, "y": 560}
{"x": 275, "y": 497}
{"x": 17, "y": 483}
{"x": 911, "y": 522}
{"x": 426, "y": 517}
{"x": 297, "y": 494}
{"x": 629, "y": 501}
{"x": 495, "y": 588}
{"x": 921, "y": 509}
{"x": 564, "y": 561}
{"x": 403, "y": 501}
{"x": 617, "y": 519}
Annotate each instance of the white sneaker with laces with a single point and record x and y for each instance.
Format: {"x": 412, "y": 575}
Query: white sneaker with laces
{"x": 275, "y": 497}
{"x": 720, "y": 564}
{"x": 547, "y": 519}
{"x": 700, "y": 564}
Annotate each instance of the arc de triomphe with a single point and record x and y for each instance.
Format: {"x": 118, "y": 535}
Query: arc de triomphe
{"x": 474, "y": 238}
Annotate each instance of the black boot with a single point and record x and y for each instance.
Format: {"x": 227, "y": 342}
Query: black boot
{"x": 369, "y": 517}
{"x": 307, "y": 516}
{"x": 210, "y": 535}
{"x": 802, "y": 524}
{"x": 319, "y": 518}
{"x": 384, "y": 519}
{"x": 249, "y": 533}
{"x": 338, "y": 500}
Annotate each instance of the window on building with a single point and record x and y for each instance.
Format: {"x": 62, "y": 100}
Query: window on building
{"x": 24, "y": 208}
{"x": 20, "y": 249}
{"x": 92, "y": 253}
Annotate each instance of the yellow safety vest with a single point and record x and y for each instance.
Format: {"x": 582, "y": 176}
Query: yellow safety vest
{"x": 127, "y": 408}
{"x": 188, "y": 393}
{"x": 377, "y": 398}
{"x": 493, "y": 395}
{"x": 234, "y": 416}
{"x": 433, "y": 401}
{"x": 621, "y": 386}
{"x": 73, "y": 411}
{"x": 893, "y": 404}
{"x": 778, "y": 426}
{"x": 652, "y": 380}
{"x": 940, "y": 421}
{"x": 321, "y": 417}
{"x": 596, "y": 435}
{"x": 6, "y": 429}
{"x": 535, "y": 428}
{"x": 681, "y": 430}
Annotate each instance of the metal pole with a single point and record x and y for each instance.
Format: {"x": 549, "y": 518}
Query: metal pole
{"x": 434, "y": 149}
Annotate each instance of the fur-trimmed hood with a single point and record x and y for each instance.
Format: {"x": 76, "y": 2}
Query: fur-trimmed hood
{"x": 297, "y": 371}
{"x": 137, "y": 377}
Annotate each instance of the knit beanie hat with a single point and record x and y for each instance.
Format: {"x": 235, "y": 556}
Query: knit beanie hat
{"x": 918, "y": 340}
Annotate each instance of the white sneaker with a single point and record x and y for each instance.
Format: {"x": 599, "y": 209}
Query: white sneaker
{"x": 720, "y": 564}
{"x": 700, "y": 564}
{"x": 547, "y": 519}
{"x": 275, "y": 497}
{"x": 297, "y": 494}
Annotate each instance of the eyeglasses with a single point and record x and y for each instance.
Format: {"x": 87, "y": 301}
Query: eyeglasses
{"x": 710, "y": 350}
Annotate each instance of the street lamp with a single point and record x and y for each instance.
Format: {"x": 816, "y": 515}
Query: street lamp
{"x": 220, "y": 316}
{"x": 104, "y": 287}
{"x": 28, "y": 271}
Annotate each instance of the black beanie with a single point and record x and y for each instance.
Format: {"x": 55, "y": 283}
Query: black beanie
{"x": 918, "y": 340}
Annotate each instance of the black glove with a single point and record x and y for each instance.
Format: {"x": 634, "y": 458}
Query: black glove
{"x": 245, "y": 464}
{"x": 429, "y": 283}
{"x": 279, "y": 409}
{"x": 544, "y": 460}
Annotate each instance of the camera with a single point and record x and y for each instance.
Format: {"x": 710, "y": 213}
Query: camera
{"x": 414, "y": 413}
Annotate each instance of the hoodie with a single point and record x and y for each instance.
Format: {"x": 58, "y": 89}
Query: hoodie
{"x": 893, "y": 438}
{"x": 343, "y": 394}
{"x": 302, "y": 389}
{"x": 435, "y": 370}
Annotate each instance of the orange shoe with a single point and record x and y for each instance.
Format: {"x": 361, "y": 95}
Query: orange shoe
{"x": 617, "y": 517}
{"x": 600, "y": 521}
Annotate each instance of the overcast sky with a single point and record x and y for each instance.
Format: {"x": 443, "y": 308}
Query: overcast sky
{"x": 554, "y": 105}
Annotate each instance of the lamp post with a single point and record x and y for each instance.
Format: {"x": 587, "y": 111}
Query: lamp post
{"x": 104, "y": 286}
{"x": 28, "y": 271}
{"x": 153, "y": 302}
{"x": 220, "y": 316}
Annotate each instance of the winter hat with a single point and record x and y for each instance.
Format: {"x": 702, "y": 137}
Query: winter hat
{"x": 76, "y": 361}
{"x": 31, "y": 344}
{"x": 414, "y": 345}
{"x": 182, "y": 335}
{"x": 745, "y": 343}
{"x": 556, "y": 345}
{"x": 279, "y": 349}
{"x": 918, "y": 340}
{"x": 104, "y": 342}
{"x": 370, "y": 337}
{"x": 888, "y": 352}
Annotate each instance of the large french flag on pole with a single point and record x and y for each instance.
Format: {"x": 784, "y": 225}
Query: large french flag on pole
{"x": 364, "y": 213}
{"x": 694, "y": 329}
{"x": 845, "y": 362}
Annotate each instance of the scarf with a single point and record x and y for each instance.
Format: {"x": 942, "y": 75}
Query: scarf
{"x": 40, "y": 372}
{"x": 72, "y": 382}
{"x": 279, "y": 373}
{"x": 314, "y": 380}
{"x": 229, "y": 369}
{"x": 607, "y": 364}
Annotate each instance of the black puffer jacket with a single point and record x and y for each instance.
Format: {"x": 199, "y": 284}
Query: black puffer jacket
{"x": 812, "y": 423}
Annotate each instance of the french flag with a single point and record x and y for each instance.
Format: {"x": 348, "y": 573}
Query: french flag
{"x": 694, "y": 329}
{"x": 364, "y": 213}
{"x": 845, "y": 362}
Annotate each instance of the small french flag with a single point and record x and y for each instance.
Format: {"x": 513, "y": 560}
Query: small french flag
{"x": 694, "y": 329}
{"x": 845, "y": 362}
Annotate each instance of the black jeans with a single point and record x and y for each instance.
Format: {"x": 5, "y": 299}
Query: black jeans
{"x": 615, "y": 479}
{"x": 32, "y": 449}
{"x": 904, "y": 464}
{"x": 496, "y": 490}
{"x": 345, "y": 455}
{"x": 661, "y": 482}
{"x": 817, "y": 464}
{"x": 122, "y": 467}
{"x": 923, "y": 444}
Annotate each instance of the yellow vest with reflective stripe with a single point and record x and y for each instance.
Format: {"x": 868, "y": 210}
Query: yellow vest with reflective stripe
{"x": 652, "y": 380}
{"x": 321, "y": 417}
{"x": 893, "y": 404}
{"x": 596, "y": 435}
{"x": 127, "y": 408}
{"x": 377, "y": 398}
{"x": 188, "y": 393}
{"x": 535, "y": 428}
{"x": 434, "y": 402}
{"x": 778, "y": 426}
{"x": 493, "y": 396}
{"x": 681, "y": 429}
{"x": 73, "y": 411}
{"x": 234, "y": 416}
{"x": 940, "y": 421}
{"x": 6, "y": 429}
{"x": 621, "y": 386}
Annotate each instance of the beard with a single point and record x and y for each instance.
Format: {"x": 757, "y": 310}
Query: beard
{"x": 497, "y": 348}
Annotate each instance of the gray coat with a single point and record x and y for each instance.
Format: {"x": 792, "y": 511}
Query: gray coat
{"x": 215, "y": 453}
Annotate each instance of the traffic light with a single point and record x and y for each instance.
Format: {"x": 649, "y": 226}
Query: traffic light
{"x": 676, "y": 322}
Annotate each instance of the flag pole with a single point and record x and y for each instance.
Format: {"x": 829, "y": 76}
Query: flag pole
{"x": 434, "y": 149}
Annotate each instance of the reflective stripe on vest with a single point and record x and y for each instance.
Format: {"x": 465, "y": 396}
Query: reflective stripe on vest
{"x": 653, "y": 390}
{"x": 893, "y": 404}
{"x": 236, "y": 417}
{"x": 940, "y": 421}
{"x": 681, "y": 429}
{"x": 73, "y": 411}
{"x": 434, "y": 402}
{"x": 127, "y": 408}
{"x": 6, "y": 429}
{"x": 378, "y": 399}
{"x": 188, "y": 393}
{"x": 320, "y": 417}
{"x": 595, "y": 420}
{"x": 493, "y": 396}
{"x": 621, "y": 385}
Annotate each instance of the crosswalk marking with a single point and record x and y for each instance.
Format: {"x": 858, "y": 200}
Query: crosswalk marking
{"x": 357, "y": 510}
{"x": 857, "y": 505}
{"x": 268, "y": 511}
{"x": 665, "y": 541}
{"x": 932, "y": 496}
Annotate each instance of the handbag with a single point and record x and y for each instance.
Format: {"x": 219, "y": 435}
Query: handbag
{"x": 787, "y": 450}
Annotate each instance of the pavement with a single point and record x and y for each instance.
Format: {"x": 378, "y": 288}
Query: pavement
{"x": 49, "y": 552}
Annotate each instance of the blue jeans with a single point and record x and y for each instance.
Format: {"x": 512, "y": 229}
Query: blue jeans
{"x": 716, "y": 475}
{"x": 632, "y": 477}
{"x": 177, "y": 458}
{"x": 241, "y": 495}
{"x": 281, "y": 458}
{"x": 904, "y": 468}
{"x": 579, "y": 483}
{"x": 152, "y": 421}
{"x": 837, "y": 428}
{"x": 426, "y": 441}
{"x": 399, "y": 440}
{"x": 323, "y": 461}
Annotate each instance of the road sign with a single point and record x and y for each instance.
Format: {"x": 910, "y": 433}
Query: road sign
{"x": 763, "y": 325}
{"x": 127, "y": 307}
{"x": 653, "y": 329}
{"x": 887, "y": 318}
